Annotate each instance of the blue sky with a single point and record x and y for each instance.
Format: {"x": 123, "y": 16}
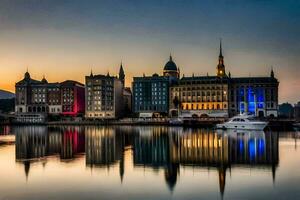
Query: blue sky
{"x": 71, "y": 37}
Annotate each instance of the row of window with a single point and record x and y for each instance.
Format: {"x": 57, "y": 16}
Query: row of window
{"x": 203, "y": 106}
{"x": 198, "y": 88}
{"x": 151, "y": 108}
{"x": 100, "y": 108}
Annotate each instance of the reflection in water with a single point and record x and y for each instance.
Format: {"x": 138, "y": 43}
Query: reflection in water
{"x": 165, "y": 148}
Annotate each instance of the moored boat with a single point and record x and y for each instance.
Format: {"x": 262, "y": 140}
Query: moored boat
{"x": 243, "y": 121}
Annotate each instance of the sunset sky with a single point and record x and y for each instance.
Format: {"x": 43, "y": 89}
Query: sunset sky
{"x": 64, "y": 39}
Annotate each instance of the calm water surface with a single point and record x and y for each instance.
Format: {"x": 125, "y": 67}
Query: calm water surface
{"x": 147, "y": 163}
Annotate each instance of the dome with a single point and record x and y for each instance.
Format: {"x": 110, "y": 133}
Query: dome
{"x": 44, "y": 80}
{"x": 27, "y": 75}
{"x": 170, "y": 65}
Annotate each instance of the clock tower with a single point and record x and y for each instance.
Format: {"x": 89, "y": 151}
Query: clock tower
{"x": 221, "y": 66}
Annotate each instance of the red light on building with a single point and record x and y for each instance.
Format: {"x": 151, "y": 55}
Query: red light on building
{"x": 73, "y": 98}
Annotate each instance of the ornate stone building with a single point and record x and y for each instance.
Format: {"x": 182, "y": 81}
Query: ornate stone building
{"x": 36, "y": 99}
{"x": 104, "y": 96}
{"x": 223, "y": 95}
{"x": 151, "y": 93}
{"x": 200, "y": 96}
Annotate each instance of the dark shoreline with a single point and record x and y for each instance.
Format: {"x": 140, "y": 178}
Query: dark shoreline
{"x": 274, "y": 124}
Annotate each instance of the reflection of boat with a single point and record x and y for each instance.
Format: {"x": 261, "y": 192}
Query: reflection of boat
{"x": 243, "y": 121}
{"x": 234, "y": 133}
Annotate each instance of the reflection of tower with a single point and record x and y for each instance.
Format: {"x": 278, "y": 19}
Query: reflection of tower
{"x": 222, "y": 179}
{"x": 275, "y": 153}
{"x": 121, "y": 167}
{"x": 26, "y": 168}
{"x": 171, "y": 172}
{"x": 120, "y": 145}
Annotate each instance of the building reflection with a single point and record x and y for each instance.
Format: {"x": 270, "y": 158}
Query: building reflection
{"x": 37, "y": 143}
{"x": 157, "y": 148}
{"x": 5, "y": 130}
{"x": 204, "y": 148}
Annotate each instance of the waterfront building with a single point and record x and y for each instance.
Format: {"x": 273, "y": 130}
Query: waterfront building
{"x": 36, "y": 99}
{"x": 73, "y": 98}
{"x": 104, "y": 96}
{"x": 151, "y": 93}
{"x": 223, "y": 95}
{"x": 200, "y": 96}
{"x": 31, "y": 103}
{"x": 256, "y": 95}
{"x": 54, "y": 98}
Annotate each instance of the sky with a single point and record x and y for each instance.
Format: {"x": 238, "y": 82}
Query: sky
{"x": 65, "y": 39}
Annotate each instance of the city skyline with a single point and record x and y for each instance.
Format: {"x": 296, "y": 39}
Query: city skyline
{"x": 65, "y": 40}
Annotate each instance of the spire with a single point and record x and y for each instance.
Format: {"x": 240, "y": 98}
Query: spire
{"x": 220, "y": 55}
{"x": 272, "y": 72}
{"x": 122, "y": 74}
{"x": 27, "y": 75}
{"x": 221, "y": 66}
{"x": 171, "y": 59}
{"x": 91, "y": 73}
{"x": 229, "y": 74}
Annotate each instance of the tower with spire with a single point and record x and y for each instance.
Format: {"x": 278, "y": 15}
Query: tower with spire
{"x": 122, "y": 74}
{"x": 221, "y": 67}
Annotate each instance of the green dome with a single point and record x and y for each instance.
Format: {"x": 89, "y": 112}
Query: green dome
{"x": 170, "y": 65}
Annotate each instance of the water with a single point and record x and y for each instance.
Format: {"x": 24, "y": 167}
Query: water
{"x": 147, "y": 163}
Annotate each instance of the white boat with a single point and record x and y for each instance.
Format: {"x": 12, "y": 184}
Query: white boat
{"x": 243, "y": 121}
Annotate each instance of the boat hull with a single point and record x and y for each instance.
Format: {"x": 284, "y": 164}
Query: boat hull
{"x": 241, "y": 126}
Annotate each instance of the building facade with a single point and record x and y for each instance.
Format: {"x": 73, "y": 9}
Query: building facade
{"x": 151, "y": 93}
{"x": 104, "y": 97}
{"x": 256, "y": 95}
{"x": 200, "y": 96}
{"x": 223, "y": 95}
{"x": 54, "y": 98}
{"x": 36, "y": 99}
{"x": 73, "y": 98}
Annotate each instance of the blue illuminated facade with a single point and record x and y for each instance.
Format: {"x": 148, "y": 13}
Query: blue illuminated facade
{"x": 255, "y": 95}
